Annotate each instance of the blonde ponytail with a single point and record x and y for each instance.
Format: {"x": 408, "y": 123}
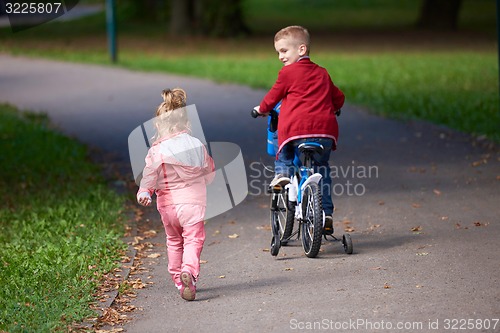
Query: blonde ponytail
{"x": 171, "y": 114}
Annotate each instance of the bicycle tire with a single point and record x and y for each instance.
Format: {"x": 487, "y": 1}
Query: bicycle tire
{"x": 283, "y": 216}
{"x": 312, "y": 224}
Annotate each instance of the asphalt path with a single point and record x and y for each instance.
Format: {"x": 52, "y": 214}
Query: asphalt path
{"x": 420, "y": 201}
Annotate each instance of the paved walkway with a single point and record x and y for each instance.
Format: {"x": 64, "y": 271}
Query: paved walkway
{"x": 425, "y": 221}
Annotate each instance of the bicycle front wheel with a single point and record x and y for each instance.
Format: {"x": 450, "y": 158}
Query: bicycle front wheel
{"x": 312, "y": 224}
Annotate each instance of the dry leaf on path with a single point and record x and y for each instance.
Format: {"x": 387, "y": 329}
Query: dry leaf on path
{"x": 480, "y": 224}
{"x": 154, "y": 255}
{"x": 415, "y": 229}
{"x": 233, "y": 236}
{"x": 137, "y": 284}
{"x": 149, "y": 233}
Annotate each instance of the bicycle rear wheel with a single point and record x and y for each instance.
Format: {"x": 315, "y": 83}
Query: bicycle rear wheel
{"x": 312, "y": 224}
{"x": 282, "y": 216}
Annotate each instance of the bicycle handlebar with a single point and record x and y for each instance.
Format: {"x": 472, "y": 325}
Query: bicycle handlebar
{"x": 255, "y": 113}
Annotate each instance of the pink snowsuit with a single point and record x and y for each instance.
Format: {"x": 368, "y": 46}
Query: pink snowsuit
{"x": 178, "y": 168}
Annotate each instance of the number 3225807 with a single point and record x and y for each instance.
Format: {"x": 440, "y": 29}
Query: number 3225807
{"x": 33, "y": 8}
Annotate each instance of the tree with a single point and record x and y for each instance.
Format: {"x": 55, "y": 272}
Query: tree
{"x": 219, "y": 18}
{"x": 439, "y": 14}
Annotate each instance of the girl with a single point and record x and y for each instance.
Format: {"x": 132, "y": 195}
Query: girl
{"x": 178, "y": 168}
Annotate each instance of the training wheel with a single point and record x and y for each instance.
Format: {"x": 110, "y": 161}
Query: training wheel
{"x": 347, "y": 243}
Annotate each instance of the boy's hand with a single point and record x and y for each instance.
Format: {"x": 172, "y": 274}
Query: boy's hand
{"x": 144, "y": 199}
{"x": 256, "y": 112}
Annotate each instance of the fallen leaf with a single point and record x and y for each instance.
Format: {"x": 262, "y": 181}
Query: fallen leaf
{"x": 444, "y": 218}
{"x": 418, "y": 228}
{"x": 154, "y": 255}
{"x": 422, "y": 253}
{"x": 149, "y": 233}
{"x": 266, "y": 227}
{"x": 479, "y": 224}
{"x": 478, "y": 163}
{"x": 437, "y": 192}
{"x": 266, "y": 250}
{"x": 418, "y": 286}
{"x": 381, "y": 202}
{"x": 288, "y": 269}
{"x": 378, "y": 268}
{"x": 137, "y": 240}
{"x": 137, "y": 284}
{"x": 222, "y": 276}
{"x": 416, "y": 205}
{"x": 387, "y": 286}
{"x": 112, "y": 317}
{"x": 203, "y": 261}
{"x": 233, "y": 236}
{"x": 347, "y": 226}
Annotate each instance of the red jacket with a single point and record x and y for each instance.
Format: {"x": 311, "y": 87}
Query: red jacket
{"x": 309, "y": 101}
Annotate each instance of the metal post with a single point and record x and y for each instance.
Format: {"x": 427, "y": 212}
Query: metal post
{"x": 111, "y": 29}
{"x": 498, "y": 41}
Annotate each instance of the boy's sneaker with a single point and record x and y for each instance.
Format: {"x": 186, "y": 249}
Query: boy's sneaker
{"x": 188, "y": 287}
{"x": 280, "y": 180}
{"x": 328, "y": 229}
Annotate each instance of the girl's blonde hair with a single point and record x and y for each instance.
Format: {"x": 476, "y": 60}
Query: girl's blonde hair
{"x": 171, "y": 114}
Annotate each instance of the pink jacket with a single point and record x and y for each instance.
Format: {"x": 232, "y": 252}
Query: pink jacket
{"x": 178, "y": 168}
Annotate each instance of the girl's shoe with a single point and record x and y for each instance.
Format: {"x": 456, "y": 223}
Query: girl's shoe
{"x": 188, "y": 288}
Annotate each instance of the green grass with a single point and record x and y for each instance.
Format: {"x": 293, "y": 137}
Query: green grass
{"x": 60, "y": 226}
{"x": 449, "y": 79}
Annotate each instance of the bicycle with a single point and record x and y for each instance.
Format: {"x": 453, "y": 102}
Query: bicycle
{"x": 300, "y": 200}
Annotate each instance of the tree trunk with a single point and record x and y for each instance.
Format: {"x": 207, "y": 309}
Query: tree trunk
{"x": 218, "y": 18}
{"x": 439, "y": 14}
{"x": 180, "y": 18}
{"x": 222, "y": 18}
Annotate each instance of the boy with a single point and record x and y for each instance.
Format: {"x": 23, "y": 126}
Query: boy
{"x": 310, "y": 103}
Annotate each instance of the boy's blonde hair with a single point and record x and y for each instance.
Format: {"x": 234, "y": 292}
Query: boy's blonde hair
{"x": 171, "y": 114}
{"x": 299, "y": 34}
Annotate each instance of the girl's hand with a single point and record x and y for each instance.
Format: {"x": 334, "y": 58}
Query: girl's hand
{"x": 144, "y": 199}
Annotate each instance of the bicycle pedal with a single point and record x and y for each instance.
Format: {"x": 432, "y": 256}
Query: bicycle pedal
{"x": 275, "y": 189}
{"x": 328, "y": 231}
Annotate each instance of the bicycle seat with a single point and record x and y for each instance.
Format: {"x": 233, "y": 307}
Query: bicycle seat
{"x": 311, "y": 147}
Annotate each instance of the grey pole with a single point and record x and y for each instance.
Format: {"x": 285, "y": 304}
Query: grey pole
{"x": 111, "y": 29}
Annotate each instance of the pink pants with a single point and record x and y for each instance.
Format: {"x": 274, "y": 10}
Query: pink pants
{"x": 185, "y": 230}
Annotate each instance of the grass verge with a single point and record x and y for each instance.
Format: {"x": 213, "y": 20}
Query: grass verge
{"x": 60, "y": 226}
